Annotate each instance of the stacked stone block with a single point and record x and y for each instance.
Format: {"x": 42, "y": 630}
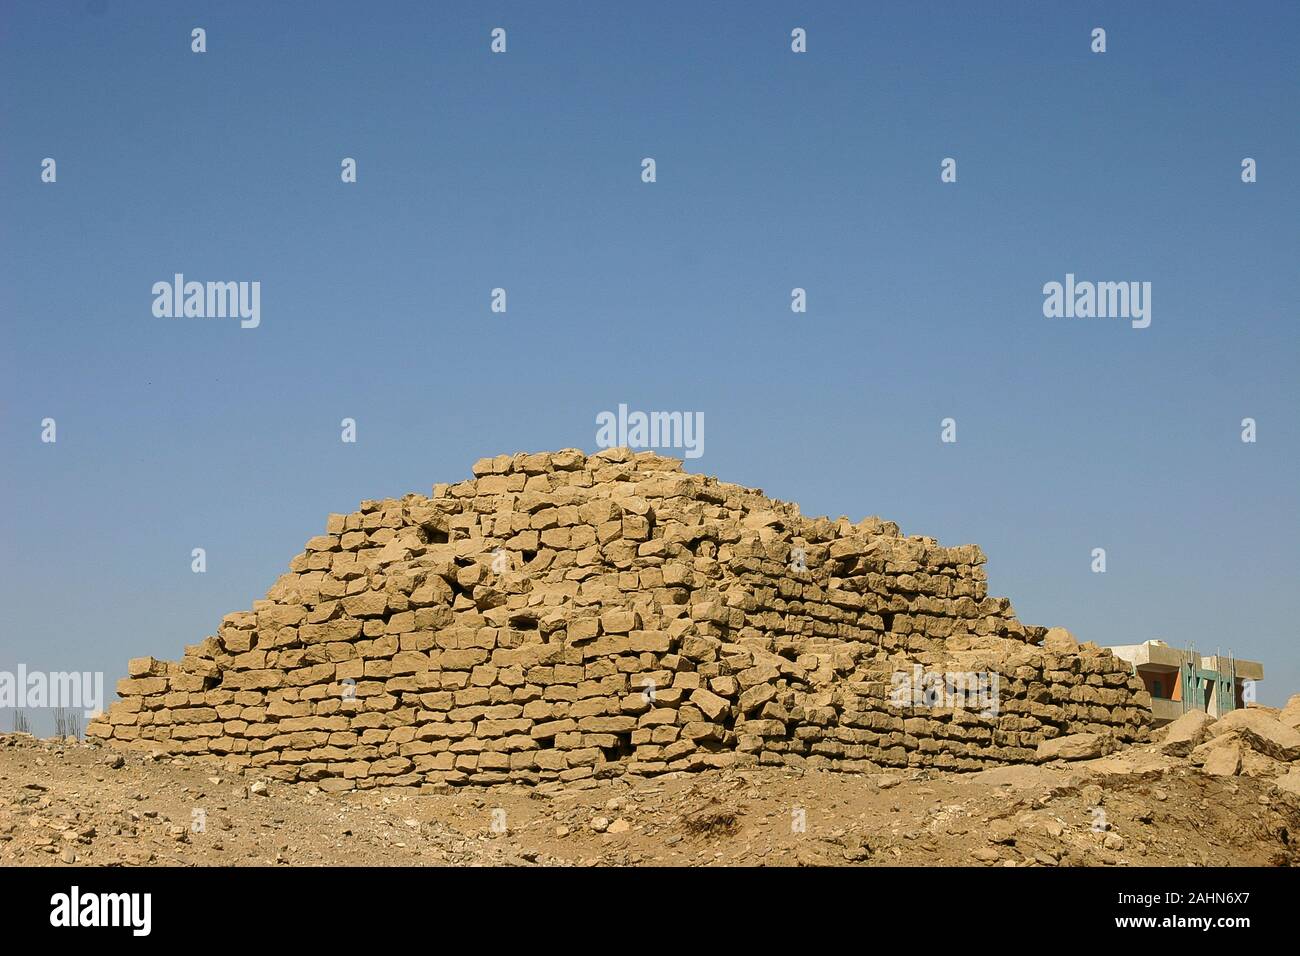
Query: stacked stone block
{"x": 560, "y": 616}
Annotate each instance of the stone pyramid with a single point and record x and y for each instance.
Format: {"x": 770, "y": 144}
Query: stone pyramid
{"x": 560, "y": 616}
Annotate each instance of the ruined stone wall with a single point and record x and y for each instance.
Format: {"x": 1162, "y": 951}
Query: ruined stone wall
{"x": 559, "y": 616}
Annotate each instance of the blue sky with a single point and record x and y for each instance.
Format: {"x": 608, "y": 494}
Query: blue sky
{"x": 775, "y": 170}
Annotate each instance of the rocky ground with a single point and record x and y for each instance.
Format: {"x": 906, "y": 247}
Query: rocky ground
{"x": 68, "y": 803}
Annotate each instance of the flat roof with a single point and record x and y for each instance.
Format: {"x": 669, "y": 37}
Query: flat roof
{"x": 1163, "y": 656}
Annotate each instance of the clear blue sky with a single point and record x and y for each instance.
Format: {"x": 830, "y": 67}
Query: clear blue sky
{"x": 775, "y": 170}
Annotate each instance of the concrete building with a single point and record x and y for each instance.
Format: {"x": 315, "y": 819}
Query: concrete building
{"x": 1180, "y": 680}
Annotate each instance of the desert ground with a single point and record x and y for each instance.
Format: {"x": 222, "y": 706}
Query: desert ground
{"x": 67, "y": 803}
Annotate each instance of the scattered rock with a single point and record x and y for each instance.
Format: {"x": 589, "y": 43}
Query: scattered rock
{"x": 1290, "y": 714}
{"x": 1223, "y": 760}
{"x": 1261, "y": 732}
{"x": 1001, "y": 831}
{"x": 1185, "y": 733}
{"x": 856, "y": 848}
{"x": 1256, "y": 764}
{"x": 1074, "y": 747}
{"x": 1289, "y": 781}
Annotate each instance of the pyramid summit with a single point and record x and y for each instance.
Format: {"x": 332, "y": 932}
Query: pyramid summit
{"x": 560, "y": 616}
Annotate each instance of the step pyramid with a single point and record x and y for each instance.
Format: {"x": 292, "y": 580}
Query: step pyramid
{"x": 561, "y": 616}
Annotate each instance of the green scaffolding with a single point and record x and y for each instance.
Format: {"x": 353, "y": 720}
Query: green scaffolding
{"x": 1197, "y": 680}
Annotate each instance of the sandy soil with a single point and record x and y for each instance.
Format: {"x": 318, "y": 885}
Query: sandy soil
{"x": 64, "y": 803}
